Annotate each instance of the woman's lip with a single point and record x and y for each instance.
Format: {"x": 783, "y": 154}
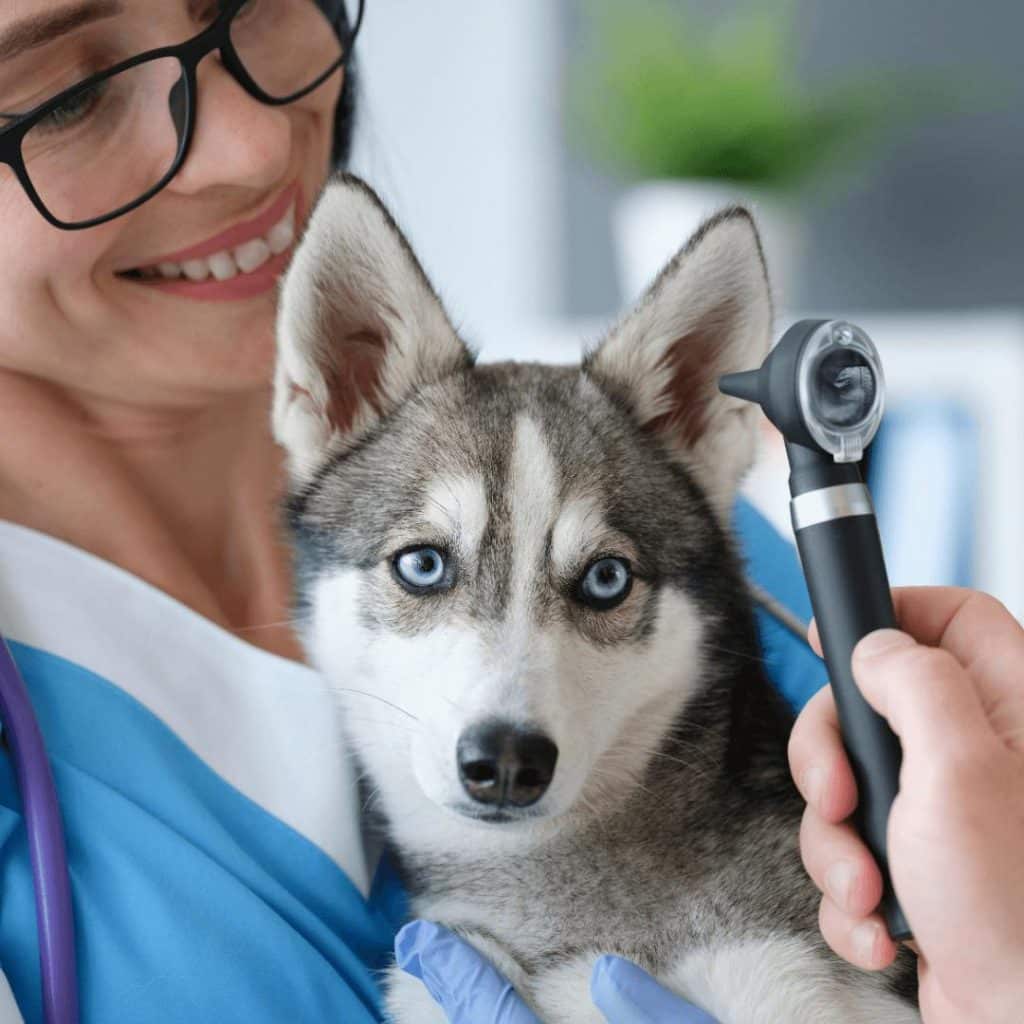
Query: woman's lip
{"x": 255, "y": 228}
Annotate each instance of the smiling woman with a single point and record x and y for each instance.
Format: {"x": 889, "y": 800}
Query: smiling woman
{"x": 229, "y": 136}
{"x": 143, "y": 584}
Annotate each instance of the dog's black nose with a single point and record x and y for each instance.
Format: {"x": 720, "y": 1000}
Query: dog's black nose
{"x": 503, "y": 764}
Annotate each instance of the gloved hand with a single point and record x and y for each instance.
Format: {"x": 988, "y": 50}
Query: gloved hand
{"x": 471, "y": 991}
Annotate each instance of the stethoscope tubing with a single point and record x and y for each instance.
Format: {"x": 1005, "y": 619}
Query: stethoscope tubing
{"x": 47, "y": 852}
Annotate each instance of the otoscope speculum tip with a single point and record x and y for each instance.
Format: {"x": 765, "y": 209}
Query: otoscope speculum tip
{"x": 745, "y": 385}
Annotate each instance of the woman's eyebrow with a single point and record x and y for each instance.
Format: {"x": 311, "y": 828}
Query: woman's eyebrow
{"x": 36, "y": 31}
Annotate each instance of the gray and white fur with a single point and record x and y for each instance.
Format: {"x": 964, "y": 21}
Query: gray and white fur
{"x": 667, "y": 832}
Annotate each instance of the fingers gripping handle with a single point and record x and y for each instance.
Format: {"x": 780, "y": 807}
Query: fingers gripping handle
{"x": 849, "y": 590}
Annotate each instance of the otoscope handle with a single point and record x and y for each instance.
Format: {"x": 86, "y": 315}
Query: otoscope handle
{"x": 849, "y": 590}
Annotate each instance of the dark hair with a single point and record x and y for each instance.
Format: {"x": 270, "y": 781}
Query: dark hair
{"x": 345, "y": 112}
{"x": 345, "y": 118}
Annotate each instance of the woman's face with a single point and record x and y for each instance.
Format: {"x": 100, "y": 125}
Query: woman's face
{"x": 73, "y": 312}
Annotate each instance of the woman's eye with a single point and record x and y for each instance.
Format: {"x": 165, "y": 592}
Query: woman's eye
{"x": 606, "y": 583}
{"x": 421, "y": 568}
{"x": 73, "y": 109}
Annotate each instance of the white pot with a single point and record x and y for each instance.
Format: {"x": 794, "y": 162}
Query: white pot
{"x": 654, "y": 219}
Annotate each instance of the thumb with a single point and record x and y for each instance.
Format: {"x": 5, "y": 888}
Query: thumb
{"x": 462, "y": 982}
{"x": 927, "y": 696}
{"x": 626, "y": 994}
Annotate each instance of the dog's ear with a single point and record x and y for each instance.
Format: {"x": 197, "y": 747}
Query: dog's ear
{"x": 359, "y": 328}
{"x": 709, "y": 312}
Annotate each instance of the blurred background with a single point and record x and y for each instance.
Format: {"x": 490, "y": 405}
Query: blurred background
{"x": 546, "y": 157}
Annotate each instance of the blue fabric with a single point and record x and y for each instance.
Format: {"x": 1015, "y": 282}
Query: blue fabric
{"x": 192, "y": 903}
{"x": 796, "y": 671}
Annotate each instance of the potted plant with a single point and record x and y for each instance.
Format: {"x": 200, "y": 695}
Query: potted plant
{"x": 708, "y": 112}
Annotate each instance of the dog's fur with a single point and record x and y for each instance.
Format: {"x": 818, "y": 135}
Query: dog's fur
{"x": 669, "y": 832}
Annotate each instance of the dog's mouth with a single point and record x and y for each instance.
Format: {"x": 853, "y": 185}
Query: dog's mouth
{"x": 497, "y": 815}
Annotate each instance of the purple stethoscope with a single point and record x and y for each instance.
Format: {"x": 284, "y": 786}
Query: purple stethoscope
{"x": 46, "y": 849}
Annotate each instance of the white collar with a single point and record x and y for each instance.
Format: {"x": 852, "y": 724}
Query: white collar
{"x": 265, "y": 724}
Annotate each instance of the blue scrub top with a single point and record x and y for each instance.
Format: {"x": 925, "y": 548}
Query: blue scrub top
{"x": 217, "y": 868}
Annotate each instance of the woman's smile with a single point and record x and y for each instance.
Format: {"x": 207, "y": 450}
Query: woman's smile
{"x": 244, "y": 261}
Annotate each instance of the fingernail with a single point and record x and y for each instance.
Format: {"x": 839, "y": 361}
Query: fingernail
{"x": 865, "y": 941}
{"x": 880, "y": 641}
{"x": 814, "y": 783}
{"x": 839, "y": 880}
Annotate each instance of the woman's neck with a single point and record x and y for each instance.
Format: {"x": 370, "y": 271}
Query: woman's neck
{"x": 185, "y": 498}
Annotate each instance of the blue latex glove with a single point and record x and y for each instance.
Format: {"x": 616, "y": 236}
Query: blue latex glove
{"x": 470, "y": 991}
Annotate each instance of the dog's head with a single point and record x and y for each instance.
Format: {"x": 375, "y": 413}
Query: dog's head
{"x": 509, "y": 571}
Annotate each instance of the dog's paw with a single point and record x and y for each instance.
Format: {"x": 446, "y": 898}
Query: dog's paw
{"x": 408, "y": 1002}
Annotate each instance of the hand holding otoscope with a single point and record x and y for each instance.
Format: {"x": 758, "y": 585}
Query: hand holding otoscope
{"x": 822, "y": 386}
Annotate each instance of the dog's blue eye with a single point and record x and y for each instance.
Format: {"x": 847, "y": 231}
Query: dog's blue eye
{"x": 420, "y": 568}
{"x": 606, "y": 583}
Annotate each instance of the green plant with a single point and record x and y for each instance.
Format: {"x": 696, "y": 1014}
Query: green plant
{"x": 657, "y": 94}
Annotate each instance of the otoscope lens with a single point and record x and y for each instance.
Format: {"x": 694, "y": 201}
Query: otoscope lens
{"x": 843, "y": 387}
{"x": 840, "y": 388}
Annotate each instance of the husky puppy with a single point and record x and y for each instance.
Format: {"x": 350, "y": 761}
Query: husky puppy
{"x": 522, "y": 581}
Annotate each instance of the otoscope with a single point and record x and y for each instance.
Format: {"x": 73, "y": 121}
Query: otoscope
{"x": 822, "y": 387}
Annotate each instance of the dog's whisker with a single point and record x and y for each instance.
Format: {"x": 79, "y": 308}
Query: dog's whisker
{"x": 376, "y": 696}
{"x": 718, "y": 649}
{"x": 293, "y": 623}
{"x": 594, "y": 810}
{"x": 356, "y": 721}
{"x": 440, "y": 508}
{"x": 700, "y": 768}
{"x": 665, "y": 755}
{"x": 624, "y": 776}
{"x": 454, "y": 704}
{"x": 595, "y": 814}
{"x": 370, "y": 798}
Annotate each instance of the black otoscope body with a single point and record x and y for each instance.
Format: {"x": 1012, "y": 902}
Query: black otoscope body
{"x": 822, "y": 386}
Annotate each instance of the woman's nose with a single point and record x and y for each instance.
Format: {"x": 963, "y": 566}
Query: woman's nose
{"x": 237, "y": 140}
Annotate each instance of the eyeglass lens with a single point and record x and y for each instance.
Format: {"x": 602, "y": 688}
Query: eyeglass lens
{"x": 110, "y": 145}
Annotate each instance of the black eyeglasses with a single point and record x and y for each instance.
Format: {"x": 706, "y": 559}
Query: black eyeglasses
{"x": 108, "y": 144}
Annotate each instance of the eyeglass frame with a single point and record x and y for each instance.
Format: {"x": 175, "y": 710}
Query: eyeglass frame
{"x": 216, "y": 36}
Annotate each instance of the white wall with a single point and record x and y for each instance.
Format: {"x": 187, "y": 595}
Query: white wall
{"x": 460, "y": 132}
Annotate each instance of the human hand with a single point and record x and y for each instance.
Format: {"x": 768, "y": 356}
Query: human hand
{"x": 471, "y": 991}
{"x": 955, "y": 698}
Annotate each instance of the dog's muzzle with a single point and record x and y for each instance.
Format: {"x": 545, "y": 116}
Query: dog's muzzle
{"x": 503, "y": 765}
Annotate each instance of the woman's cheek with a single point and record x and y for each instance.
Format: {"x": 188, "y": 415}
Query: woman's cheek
{"x": 48, "y": 286}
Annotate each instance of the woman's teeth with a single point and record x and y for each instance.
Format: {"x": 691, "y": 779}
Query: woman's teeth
{"x": 244, "y": 258}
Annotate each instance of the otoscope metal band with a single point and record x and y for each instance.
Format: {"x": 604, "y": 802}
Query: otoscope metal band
{"x": 828, "y": 503}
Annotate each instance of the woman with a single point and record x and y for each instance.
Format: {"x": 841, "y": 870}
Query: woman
{"x": 211, "y": 819}
{"x": 213, "y": 830}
